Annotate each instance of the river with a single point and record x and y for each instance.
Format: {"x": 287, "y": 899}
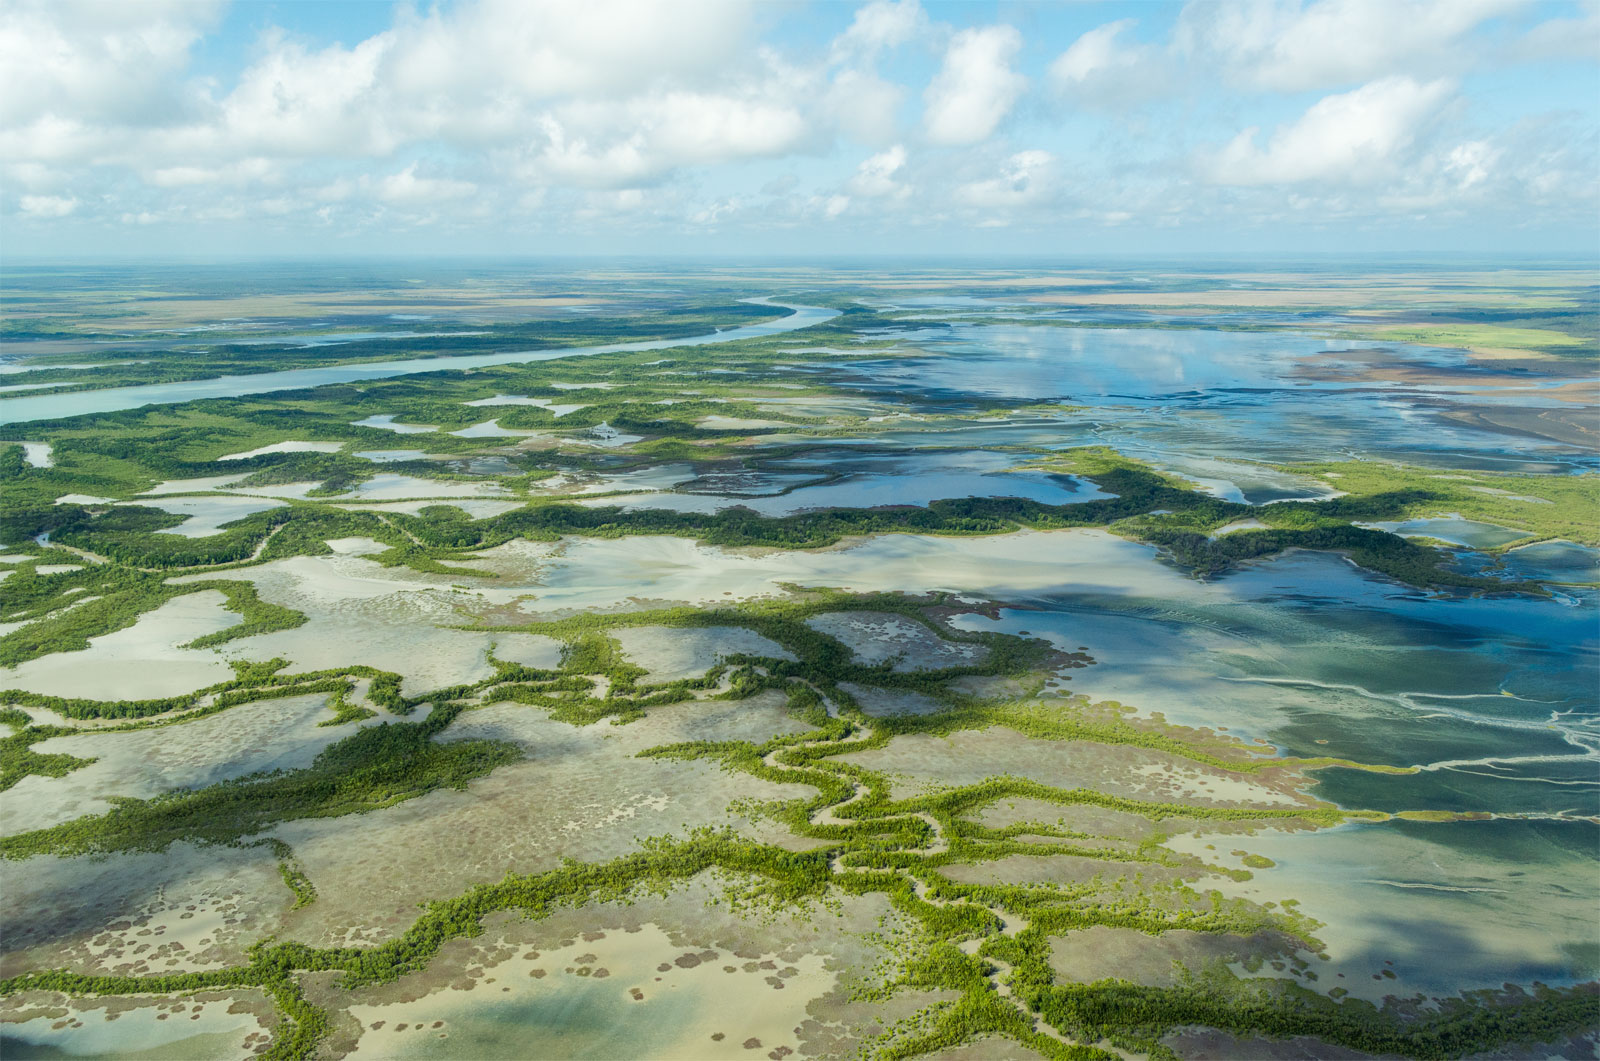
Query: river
{"x": 77, "y": 403}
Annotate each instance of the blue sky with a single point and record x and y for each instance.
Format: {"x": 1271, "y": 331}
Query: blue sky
{"x": 750, "y": 128}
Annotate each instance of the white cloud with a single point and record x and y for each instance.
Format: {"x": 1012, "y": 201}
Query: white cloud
{"x": 575, "y": 115}
{"x": 879, "y": 25}
{"x": 406, "y": 188}
{"x": 47, "y": 206}
{"x": 640, "y": 140}
{"x": 864, "y": 106}
{"x": 1577, "y": 37}
{"x": 1350, "y": 138}
{"x": 875, "y": 177}
{"x": 556, "y": 48}
{"x": 1100, "y": 69}
{"x": 95, "y": 61}
{"x": 976, "y": 87}
{"x": 1471, "y": 163}
{"x": 1094, "y": 53}
{"x": 1027, "y": 178}
{"x": 300, "y": 102}
{"x": 246, "y": 171}
{"x": 1288, "y": 46}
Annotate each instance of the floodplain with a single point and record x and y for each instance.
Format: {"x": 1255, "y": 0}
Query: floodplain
{"x": 819, "y": 662}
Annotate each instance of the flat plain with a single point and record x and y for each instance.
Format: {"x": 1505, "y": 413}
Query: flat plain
{"x": 499, "y": 660}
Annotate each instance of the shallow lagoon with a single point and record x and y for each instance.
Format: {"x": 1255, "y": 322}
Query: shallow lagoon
{"x": 1238, "y": 393}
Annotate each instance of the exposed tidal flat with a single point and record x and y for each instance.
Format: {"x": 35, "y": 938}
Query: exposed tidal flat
{"x": 927, "y": 682}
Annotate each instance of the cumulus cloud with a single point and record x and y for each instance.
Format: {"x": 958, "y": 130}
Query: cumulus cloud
{"x": 95, "y": 61}
{"x": 879, "y": 25}
{"x": 594, "y": 116}
{"x": 47, "y": 206}
{"x": 1094, "y": 53}
{"x": 864, "y": 106}
{"x": 975, "y": 88}
{"x": 1351, "y": 138}
{"x": 1288, "y": 46}
{"x": 1027, "y": 178}
{"x": 875, "y": 177}
{"x": 1102, "y": 69}
{"x": 638, "y": 141}
{"x": 407, "y": 187}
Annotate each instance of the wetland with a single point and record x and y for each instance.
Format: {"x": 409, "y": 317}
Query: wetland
{"x": 819, "y": 662}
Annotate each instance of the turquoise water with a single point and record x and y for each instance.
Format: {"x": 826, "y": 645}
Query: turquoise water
{"x": 1494, "y": 697}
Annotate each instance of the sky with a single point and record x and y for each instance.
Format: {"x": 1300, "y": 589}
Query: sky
{"x": 736, "y": 127}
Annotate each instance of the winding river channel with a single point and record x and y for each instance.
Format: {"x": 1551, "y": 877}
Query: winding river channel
{"x": 54, "y": 406}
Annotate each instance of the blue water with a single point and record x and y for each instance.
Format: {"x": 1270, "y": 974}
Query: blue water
{"x": 53, "y": 406}
{"x": 1213, "y": 393}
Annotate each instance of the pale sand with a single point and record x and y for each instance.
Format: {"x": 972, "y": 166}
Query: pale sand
{"x": 37, "y": 454}
{"x": 394, "y": 487}
{"x": 125, "y": 913}
{"x": 674, "y": 1015}
{"x": 144, "y": 1030}
{"x": 278, "y": 734}
{"x": 285, "y": 447}
{"x": 207, "y": 514}
{"x": 142, "y": 661}
{"x": 394, "y": 626}
{"x": 387, "y": 423}
{"x": 669, "y": 653}
{"x": 582, "y": 792}
{"x": 556, "y": 408}
{"x": 921, "y": 762}
{"x": 492, "y": 429}
{"x": 194, "y": 486}
{"x": 736, "y": 423}
{"x": 474, "y": 508}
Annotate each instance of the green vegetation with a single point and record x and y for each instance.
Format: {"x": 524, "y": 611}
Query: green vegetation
{"x": 867, "y": 842}
{"x": 17, "y": 757}
{"x": 1490, "y": 337}
{"x": 376, "y": 767}
{"x": 1546, "y": 506}
{"x": 988, "y": 944}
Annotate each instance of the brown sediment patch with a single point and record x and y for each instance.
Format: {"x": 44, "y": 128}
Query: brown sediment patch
{"x": 673, "y": 653}
{"x": 200, "y": 1027}
{"x": 874, "y": 637}
{"x": 667, "y": 994}
{"x": 882, "y": 703}
{"x": 1202, "y": 1043}
{"x": 125, "y": 914}
{"x": 1103, "y": 951}
{"x": 987, "y": 1048}
{"x": 585, "y": 787}
{"x": 1062, "y": 869}
{"x": 1573, "y": 427}
{"x": 920, "y": 763}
